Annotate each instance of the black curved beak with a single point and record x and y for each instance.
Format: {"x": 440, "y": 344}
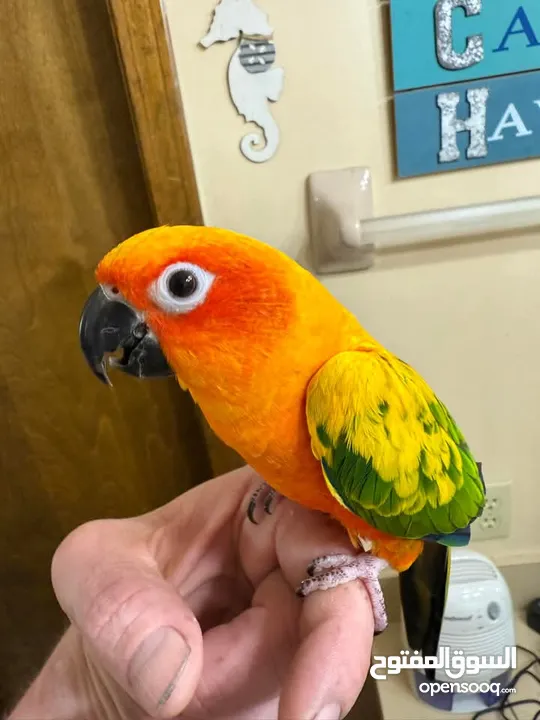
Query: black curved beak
{"x": 108, "y": 325}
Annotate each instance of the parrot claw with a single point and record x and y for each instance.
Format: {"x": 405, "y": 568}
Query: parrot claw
{"x": 268, "y": 509}
{"x": 269, "y": 495}
{"x": 330, "y": 571}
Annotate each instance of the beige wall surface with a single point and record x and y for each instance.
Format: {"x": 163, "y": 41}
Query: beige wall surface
{"x": 465, "y": 316}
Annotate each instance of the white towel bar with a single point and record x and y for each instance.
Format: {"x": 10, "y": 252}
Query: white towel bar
{"x": 345, "y": 236}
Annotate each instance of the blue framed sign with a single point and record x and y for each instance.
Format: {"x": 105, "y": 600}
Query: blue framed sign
{"x": 466, "y": 90}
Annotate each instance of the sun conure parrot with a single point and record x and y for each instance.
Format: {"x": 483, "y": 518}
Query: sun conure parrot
{"x": 288, "y": 377}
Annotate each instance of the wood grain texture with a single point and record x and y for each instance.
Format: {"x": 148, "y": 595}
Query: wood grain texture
{"x": 150, "y": 76}
{"x": 149, "y": 72}
{"x": 71, "y": 186}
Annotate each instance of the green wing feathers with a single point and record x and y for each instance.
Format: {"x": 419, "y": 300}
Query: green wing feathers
{"x": 390, "y": 451}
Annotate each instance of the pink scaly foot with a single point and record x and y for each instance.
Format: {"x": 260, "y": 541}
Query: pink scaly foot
{"x": 330, "y": 571}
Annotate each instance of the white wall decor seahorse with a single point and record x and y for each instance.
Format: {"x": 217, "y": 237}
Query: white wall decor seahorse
{"x": 253, "y": 80}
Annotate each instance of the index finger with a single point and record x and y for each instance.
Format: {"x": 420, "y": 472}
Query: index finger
{"x": 330, "y": 666}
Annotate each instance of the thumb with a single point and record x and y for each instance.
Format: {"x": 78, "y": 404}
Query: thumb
{"x": 134, "y": 624}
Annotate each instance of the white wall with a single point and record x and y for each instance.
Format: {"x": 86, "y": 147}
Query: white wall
{"x": 467, "y": 317}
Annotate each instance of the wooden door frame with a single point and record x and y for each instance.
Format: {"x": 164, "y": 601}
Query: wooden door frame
{"x": 148, "y": 65}
{"x": 149, "y": 70}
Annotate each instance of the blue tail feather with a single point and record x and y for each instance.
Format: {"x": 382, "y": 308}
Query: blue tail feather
{"x": 459, "y": 538}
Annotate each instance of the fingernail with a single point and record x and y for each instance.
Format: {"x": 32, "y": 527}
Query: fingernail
{"x": 330, "y": 712}
{"x": 157, "y": 665}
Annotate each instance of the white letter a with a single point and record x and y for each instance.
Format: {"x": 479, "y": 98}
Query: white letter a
{"x": 510, "y": 119}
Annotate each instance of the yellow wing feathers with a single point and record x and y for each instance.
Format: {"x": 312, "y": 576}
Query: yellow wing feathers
{"x": 389, "y": 447}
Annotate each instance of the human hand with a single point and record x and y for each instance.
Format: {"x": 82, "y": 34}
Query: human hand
{"x": 191, "y": 611}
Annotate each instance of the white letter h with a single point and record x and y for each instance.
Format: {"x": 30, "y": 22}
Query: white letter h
{"x": 451, "y": 125}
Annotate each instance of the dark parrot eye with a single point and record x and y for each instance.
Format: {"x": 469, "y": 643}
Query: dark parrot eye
{"x": 181, "y": 287}
{"x": 182, "y": 283}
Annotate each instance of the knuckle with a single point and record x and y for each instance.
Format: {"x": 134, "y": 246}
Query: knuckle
{"x": 76, "y": 545}
{"x": 79, "y": 567}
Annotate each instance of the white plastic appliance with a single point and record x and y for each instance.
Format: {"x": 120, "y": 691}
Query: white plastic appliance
{"x": 478, "y": 621}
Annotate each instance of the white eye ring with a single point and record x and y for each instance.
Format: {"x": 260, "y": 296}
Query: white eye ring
{"x": 163, "y": 295}
{"x": 112, "y": 293}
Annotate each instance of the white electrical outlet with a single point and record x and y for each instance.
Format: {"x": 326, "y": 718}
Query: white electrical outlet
{"x": 495, "y": 520}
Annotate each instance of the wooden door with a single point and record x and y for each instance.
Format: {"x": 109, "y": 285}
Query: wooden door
{"x": 71, "y": 186}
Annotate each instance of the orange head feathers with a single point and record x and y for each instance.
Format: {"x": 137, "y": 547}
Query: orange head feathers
{"x": 237, "y": 289}
{"x": 220, "y": 304}
{"x": 239, "y": 280}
